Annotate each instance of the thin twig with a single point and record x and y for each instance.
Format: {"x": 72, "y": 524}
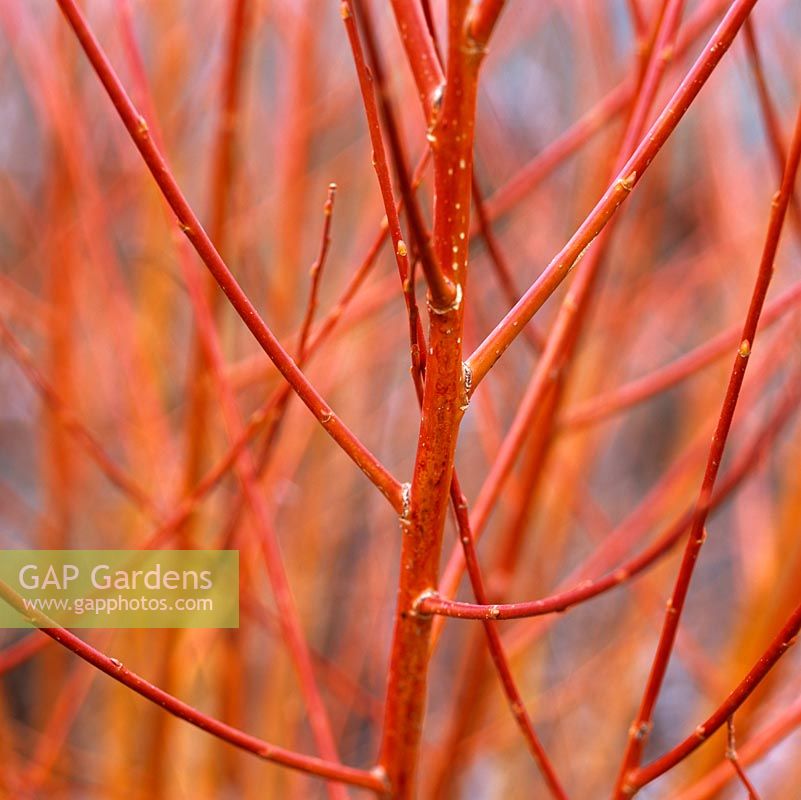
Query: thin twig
{"x": 731, "y": 755}
{"x": 315, "y": 273}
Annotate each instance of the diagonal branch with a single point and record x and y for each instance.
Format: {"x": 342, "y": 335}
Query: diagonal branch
{"x": 507, "y": 330}
{"x": 641, "y": 726}
{"x": 191, "y": 226}
{"x": 244, "y": 741}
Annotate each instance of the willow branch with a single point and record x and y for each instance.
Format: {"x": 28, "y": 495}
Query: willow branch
{"x": 586, "y": 588}
{"x": 786, "y": 637}
{"x": 642, "y": 723}
{"x": 499, "y": 658}
{"x": 507, "y": 330}
{"x": 636, "y": 391}
{"x": 244, "y": 741}
{"x": 190, "y": 224}
{"x": 421, "y": 53}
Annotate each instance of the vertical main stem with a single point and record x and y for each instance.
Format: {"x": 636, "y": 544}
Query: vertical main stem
{"x": 444, "y": 403}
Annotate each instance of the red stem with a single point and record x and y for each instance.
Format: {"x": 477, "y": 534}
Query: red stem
{"x": 507, "y": 330}
{"x": 482, "y": 19}
{"x": 587, "y": 589}
{"x": 642, "y": 723}
{"x": 444, "y": 402}
{"x": 269, "y": 752}
{"x": 190, "y": 224}
{"x": 497, "y": 653}
{"x": 421, "y": 53}
{"x": 315, "y": 273}
{"x": 731, "y": 755}
{"x": 757, "y": 745}
{"x": 786, "y": 637}
{"x": 629, "y": 394}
